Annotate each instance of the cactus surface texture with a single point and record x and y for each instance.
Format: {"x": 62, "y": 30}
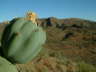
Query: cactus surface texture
{"x": 22, "y": 40}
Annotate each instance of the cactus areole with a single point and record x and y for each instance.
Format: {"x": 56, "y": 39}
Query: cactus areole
{"x": 22, "y": 40}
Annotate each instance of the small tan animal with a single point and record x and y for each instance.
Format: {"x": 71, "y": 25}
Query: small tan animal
{"x": 32, "y": 16}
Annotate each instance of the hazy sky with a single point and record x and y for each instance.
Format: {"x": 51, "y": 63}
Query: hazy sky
{"x": 46, "y": 8}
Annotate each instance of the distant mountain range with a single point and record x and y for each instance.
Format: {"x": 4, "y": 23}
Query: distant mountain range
{"x": 70, "y": 22}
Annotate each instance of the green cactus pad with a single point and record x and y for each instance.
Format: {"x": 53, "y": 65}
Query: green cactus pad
{"x": 22, "y": 40}
{"x": 6, "y": 66}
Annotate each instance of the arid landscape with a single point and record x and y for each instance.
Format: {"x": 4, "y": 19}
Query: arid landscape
{"x": 70, "y": 46}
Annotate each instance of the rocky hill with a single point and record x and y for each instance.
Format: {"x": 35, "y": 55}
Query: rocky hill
{"x": 73, "y": 39}
{"x": 70, "y": 22}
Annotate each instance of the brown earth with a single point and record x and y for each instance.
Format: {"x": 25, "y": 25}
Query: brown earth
{"x": 76, "y": 38}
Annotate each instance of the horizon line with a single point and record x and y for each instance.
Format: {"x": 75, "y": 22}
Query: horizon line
{"x": 54, "y": 17}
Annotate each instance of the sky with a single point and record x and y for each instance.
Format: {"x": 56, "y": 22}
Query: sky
{"x": 85, "y": 9}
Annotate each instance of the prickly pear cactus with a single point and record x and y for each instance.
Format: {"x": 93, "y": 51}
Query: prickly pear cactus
{"x": 6, "y": 66}
{"x": 22, "y": 40}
